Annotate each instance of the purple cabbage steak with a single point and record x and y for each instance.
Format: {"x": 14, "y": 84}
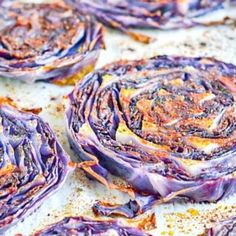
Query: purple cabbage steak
{"x": 127, "y": 14}
{"x": 46, "y": 42}
{"x": 77, "y": 226}
{"x": 165, "y": 125}
{"x": 33, "y": 164}
{"x": 224, "y": 228}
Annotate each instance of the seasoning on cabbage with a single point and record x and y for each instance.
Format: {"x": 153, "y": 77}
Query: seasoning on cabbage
{"x": 227, "y": 227}
{"x": 127, "y": 14}
{"x": 80, "y": 226}
{"x": 32, "y": 163}
{"x": 165, "y": 125}
{"x": 46, "y": 42}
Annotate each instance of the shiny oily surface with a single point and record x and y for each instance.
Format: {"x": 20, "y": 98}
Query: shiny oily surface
{"x": 48, "y": 42}
{"x": 78, "y": 193}
{"x": 165, "y": 125}
{"x": 32, "y": 165}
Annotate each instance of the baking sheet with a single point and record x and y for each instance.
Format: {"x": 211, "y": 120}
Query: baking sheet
{"x": 78, "y": 193}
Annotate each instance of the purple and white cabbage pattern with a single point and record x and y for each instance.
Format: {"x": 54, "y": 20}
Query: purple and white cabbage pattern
{"x": 78, "y": 226}
{"x": 165, "y": 125}
{"x": 32, "y": 164}
{"x": 46, "y": 42}
{"x": 225, "y": 228}
{"x": 146, "y": 14}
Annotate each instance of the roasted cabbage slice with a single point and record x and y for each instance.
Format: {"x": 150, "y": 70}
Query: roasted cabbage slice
{"x": 46, "y": 42}
{"x": 127, "y": 14}
{"x": 165, "y": 125}
{"x": 32, "y": 164}
{"x": 227, "y": 227}
{"x": 77, "y": 226}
